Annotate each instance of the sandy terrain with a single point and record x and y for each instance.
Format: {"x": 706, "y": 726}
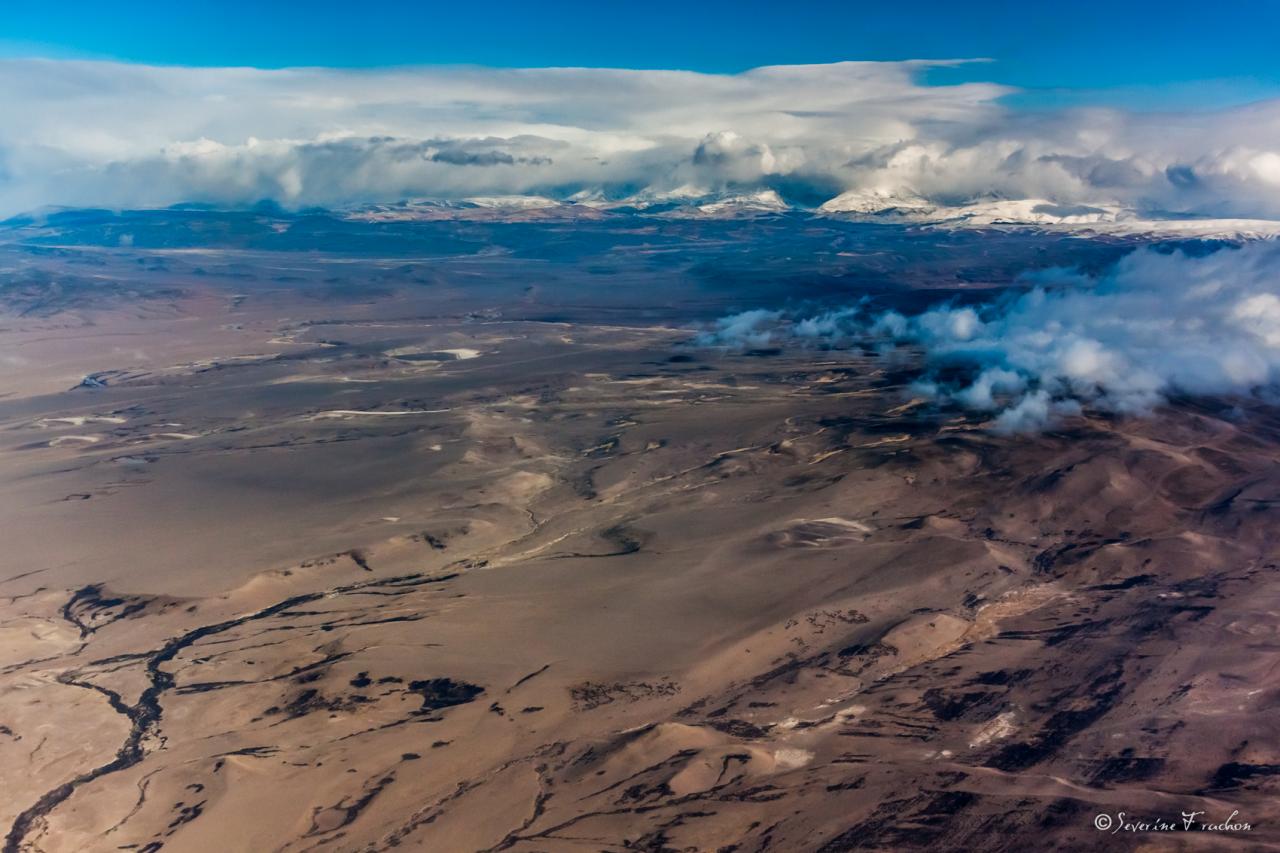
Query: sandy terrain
{"x": 577, "y": 585}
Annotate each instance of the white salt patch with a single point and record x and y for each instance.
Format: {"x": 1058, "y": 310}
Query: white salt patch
{"x": 79, "y": 420}
{"x": 790, "y": 758}
{"x": 1001, "y": 727}
{"x": 846, "y": 523}
{"x": 74, "y": 439}
{"x": 356, "y": 413}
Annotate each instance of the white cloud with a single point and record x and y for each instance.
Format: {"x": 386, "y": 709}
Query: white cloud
{"x": 754, "y": 328}
{"x": 97, "y": 133}
{"x": 1033, "y": 412}
{"x": 1154, "y": 324}
{"x": 981, "y": 394}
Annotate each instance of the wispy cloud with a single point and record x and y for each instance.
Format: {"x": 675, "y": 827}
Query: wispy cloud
{"x": 95, "y": 133}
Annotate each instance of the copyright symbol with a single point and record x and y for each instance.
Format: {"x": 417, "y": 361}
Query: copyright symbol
{"x": 1102, "y": 822}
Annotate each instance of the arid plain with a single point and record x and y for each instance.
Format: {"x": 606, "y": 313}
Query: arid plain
{"x": 448, "y": 549}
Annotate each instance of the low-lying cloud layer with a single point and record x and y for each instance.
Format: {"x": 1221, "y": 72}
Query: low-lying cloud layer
{"x": 871, "y": 134}
{"x": 1154, "y": 324}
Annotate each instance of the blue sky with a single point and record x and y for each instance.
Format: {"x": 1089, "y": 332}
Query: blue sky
{"x": 421, "y": 101}
{"x": 1137, "y": 54}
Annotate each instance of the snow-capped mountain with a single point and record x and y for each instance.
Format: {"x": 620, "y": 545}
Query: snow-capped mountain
{"x": 862, "y": 205}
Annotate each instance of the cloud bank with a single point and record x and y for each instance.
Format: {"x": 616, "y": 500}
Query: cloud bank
{"x": 1153, "y": 325}
{"x": 855, "y": 136}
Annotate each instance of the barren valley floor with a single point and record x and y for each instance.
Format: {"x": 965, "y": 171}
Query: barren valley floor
{"x": 307, "y": 573}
